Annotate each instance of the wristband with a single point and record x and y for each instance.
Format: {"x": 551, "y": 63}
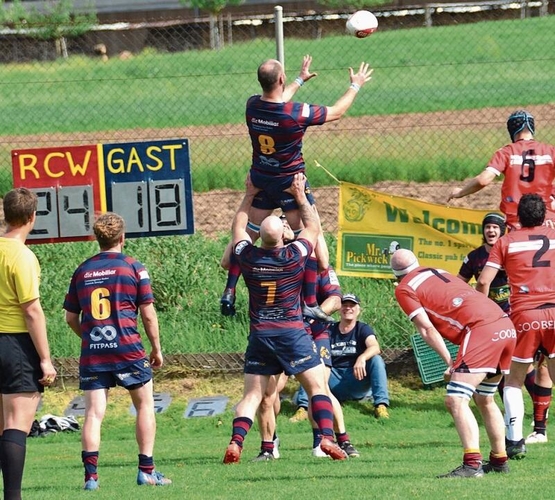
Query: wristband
{"x": 299, "y": 81}
{"x": 355, "y": 87}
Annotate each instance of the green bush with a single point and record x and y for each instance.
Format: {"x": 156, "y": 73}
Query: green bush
{"x": 188, "y": 282}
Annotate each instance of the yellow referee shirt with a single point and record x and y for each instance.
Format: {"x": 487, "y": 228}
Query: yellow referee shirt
{"x": 19, "y": 283}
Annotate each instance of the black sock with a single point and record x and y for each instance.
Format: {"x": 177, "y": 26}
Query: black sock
{"x": 13, "y": 448}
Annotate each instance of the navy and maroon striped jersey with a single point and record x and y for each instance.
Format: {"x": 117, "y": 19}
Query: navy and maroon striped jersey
{"x": 274, "y": 278}
{"x": 326, "y": 286}
{"x": 106, "y": 290}
{"x": 472, "y": 266}
{"x": 277, "y": 130}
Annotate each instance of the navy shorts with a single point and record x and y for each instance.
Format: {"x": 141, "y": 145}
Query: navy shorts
{"x": 292, "y": 352}
{"x": 273, "y": 193}
{"x": 323, "y": 346}
{"x": 20, "y": 369}
{"x": 131, "y": 377}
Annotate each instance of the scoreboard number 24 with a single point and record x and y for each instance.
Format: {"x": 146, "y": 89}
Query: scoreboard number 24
{"x": 147, "y": 183}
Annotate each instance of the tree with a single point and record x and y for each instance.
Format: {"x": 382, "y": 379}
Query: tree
{"x": 57, "y": 22}
{"x": 214, "y": 8}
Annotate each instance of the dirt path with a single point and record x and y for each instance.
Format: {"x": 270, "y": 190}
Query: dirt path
{"x": 210, "y": 220}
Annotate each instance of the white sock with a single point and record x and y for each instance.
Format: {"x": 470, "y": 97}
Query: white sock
{"x": 514, "y": 412}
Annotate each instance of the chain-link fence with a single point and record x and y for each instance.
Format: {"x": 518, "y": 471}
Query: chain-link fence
{"x": 435, "y": 109}
{"x": 446, "y": 77}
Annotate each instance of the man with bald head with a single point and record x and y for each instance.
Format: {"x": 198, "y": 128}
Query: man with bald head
{"x": 278, "y": 340}
{"x": 276, "y": 127}
{"x": 442, "y": 306}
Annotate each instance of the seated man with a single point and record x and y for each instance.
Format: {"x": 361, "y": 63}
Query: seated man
{"x": 358, "y": 370}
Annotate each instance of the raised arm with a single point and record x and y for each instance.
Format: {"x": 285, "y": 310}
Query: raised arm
{"x": 304, "y": 76}
{"x": 473, "y": 185}
{"x": 357, "y": 80}
{"x": 241, "y": 218}
{"x": 309, "y": 216}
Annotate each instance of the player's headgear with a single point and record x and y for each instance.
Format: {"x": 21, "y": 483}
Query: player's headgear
{"x": 518, "y": 120}
{"x": 494, "y": 218}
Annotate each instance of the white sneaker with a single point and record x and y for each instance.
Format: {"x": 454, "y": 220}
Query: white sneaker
{"x": 536, "y": 438}
{"x": 317, "y": 452}
{"x": 276, "y": 448}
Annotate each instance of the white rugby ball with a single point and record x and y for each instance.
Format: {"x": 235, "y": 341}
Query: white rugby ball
{"x": 362, "y": 23}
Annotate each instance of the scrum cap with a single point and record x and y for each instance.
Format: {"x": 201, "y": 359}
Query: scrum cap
{"x": 494, "y": 218}
{"x": 518, "y": 120}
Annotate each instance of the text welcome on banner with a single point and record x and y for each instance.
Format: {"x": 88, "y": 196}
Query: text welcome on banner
{"x": 372, "y": 225}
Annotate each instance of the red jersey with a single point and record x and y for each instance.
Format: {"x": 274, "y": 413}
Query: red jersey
{"x": 452, "y": 305}
{"x": 528, "y": 257}
{"x": 527, "y": 167}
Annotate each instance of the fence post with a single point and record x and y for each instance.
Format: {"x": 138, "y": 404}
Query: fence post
{"x": 523, "y": 9}
{"x": 428, "y": 16}
{"x": 544, "y": 8}
{"x": 229, "y": 29}
{"x": 278, "y": 17}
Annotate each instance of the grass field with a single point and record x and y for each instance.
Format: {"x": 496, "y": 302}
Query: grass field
{"x": 399, "y": 459}
{"x": 471, "y": 66}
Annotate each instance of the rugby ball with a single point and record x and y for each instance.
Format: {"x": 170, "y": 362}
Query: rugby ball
{"x": 362, "y": 23}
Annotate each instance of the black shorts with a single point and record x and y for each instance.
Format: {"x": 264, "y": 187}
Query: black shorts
{"x": 20, "y": 369}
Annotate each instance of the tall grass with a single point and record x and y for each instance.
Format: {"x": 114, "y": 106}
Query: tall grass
{"x": 188, "y": 282}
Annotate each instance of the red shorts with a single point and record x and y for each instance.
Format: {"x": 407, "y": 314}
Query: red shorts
{"x": 535, "y": 330}
{"x": 487, "y": 348}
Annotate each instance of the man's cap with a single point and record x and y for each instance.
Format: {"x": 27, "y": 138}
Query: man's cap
{"x": 350, "y": 297}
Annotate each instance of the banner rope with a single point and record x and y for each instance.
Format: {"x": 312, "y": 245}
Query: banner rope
{"x": 327, "y": 172}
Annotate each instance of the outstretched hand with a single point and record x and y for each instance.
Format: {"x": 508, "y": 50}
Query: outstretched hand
{"x": 305, "y": 73}
{"x": 454, "y": 194}
{"x": 363, "y": 75}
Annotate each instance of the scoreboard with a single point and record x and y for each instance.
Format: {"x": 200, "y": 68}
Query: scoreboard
{"x": 147, "y": 183}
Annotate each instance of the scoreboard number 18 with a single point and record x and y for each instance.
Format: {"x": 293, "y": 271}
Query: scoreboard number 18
{"x": 147, "y": 183}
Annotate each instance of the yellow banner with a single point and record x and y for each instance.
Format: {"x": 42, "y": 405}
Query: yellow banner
{"x": 372, "y": 225}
